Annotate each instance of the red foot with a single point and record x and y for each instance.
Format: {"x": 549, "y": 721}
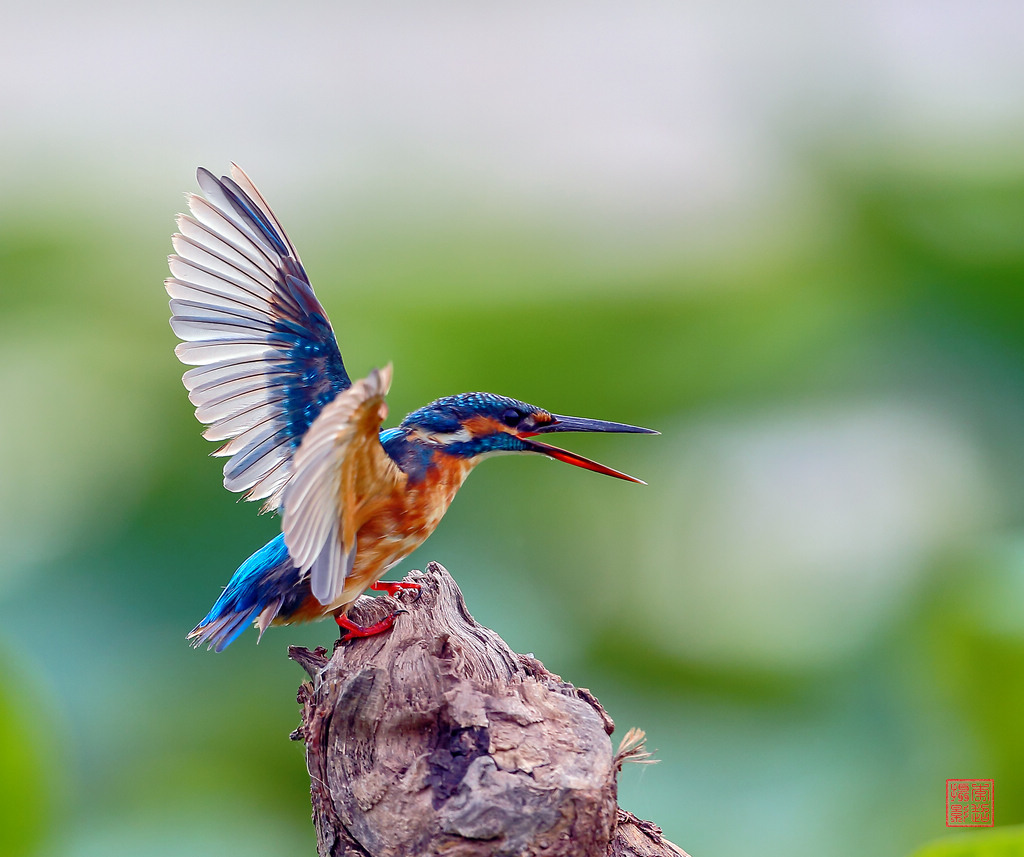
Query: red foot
{"x": 392, "y": 588}
{"x": 353, "y": 630}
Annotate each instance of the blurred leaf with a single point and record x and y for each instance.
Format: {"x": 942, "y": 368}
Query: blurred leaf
{"x": 1004, "y": 842}
{"x": 23, "y": 793}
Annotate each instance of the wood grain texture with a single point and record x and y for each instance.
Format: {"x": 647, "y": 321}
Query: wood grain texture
{"x": 436, "y": 738}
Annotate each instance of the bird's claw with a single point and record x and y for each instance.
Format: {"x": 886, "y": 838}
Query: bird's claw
{"x": 392, "y": 587}
{"x": 354, "y": 631}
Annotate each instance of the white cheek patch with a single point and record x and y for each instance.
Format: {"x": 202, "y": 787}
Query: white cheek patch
{"x": 444, "y": 439}
{"x": 461, "y": 436}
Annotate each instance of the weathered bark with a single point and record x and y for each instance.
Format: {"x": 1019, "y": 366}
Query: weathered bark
{"x": 436, "y": 738}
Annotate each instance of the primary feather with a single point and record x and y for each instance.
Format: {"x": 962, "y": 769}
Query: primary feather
{"x": 267, "y": 356}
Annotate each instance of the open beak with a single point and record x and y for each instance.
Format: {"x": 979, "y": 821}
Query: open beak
{"x": 560, "y": 423}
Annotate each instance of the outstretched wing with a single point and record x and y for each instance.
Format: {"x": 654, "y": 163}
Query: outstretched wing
{"x": 341, "y": 474}
{"x": 267, "y": 358}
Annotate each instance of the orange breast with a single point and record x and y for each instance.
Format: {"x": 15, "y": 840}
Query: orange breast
{"x": 398, "y": 520}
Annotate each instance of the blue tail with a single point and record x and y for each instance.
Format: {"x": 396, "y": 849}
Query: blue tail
{"x": 266, "y": 585}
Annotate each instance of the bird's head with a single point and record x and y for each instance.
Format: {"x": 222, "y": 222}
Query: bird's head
{"x": 472, "y": 425}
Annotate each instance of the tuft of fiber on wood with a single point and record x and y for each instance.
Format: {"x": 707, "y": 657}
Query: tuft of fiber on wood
{"x": 633, "y": 748}
{"x": 436, "y": 738}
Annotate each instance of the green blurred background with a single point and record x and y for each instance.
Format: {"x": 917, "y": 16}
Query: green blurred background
{"x": 788, "y": 235}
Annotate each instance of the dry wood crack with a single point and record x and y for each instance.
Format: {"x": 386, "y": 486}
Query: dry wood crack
{"x": 436, "y": 738}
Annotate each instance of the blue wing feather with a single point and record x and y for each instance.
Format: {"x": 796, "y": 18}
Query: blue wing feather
{"x": 249, "y": 210}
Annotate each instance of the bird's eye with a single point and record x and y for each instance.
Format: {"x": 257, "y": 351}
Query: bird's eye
{"x": 511, "y": 417}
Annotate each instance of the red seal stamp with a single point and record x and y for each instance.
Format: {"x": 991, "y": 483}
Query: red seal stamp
{"x": 970, "y": 803}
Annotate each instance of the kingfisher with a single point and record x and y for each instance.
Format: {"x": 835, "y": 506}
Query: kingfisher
{"x": 269, "y": 382}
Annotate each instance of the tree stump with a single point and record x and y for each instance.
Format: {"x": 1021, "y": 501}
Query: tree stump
{"x": 436, "y": 738}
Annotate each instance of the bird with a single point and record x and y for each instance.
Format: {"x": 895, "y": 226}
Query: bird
{"x": 270, "y": 384}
